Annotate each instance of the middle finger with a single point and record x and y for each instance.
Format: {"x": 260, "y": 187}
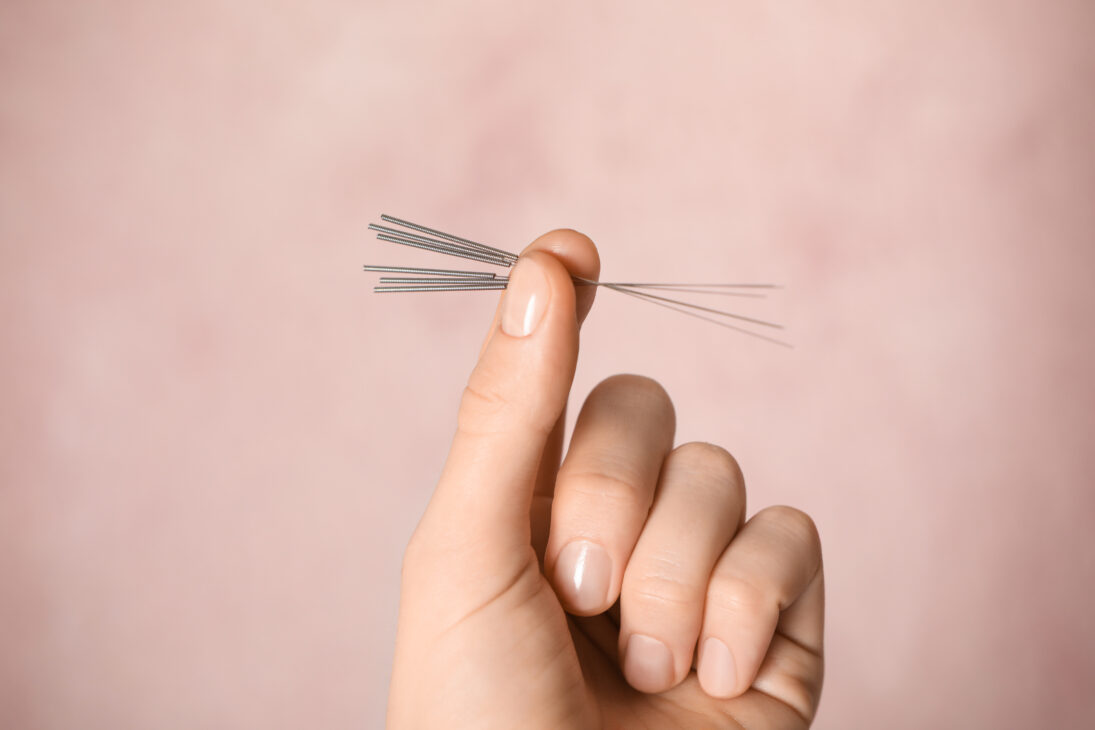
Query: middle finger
{"x": 698, "y": 508}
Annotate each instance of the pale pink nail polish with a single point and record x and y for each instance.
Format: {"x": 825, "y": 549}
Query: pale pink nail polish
{"x": 526, "y": 298}
{"x": 583, "y": 573}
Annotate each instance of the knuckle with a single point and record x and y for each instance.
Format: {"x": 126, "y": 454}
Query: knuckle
{"x": 602, "y": 487}
{"x": 494, "y": 403}
{"x": 740, "y": 597}
{"x": 480, "y": 403}
{"x": 661, "y": 581}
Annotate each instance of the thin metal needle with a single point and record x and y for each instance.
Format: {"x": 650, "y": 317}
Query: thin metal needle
{"x": 432, "y": 241}
{"x": 658, "y": 284}
{"x": 443, "y": 280}
{"x": 417, "y": 284}
{"x": 439, "y": 287}
{"x": 716, "y": 292}
{"x": 439, "y": 249}
{"x": 448, "y": 236}
{"x": 433, "y": 272}
{"x": 743, "y": 318}
{"x": 454, "y": 280}
{"x": 445, "y": 245}
{"x": 645, "y": 298}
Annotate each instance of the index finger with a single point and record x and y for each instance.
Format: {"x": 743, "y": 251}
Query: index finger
{"x": 508, "y": 423}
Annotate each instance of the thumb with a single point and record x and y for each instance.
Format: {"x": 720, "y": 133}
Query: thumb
{"x": 512, "y": 401}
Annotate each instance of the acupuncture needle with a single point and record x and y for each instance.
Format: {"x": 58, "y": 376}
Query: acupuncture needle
{"x": 453, "y": 277}
{"x": 417, "y": 279}
{"x": 405, "y": 236}
{"x": 431, "y": 272}
{"x": 720, "y": 323}
{"x": 448, "y": 236}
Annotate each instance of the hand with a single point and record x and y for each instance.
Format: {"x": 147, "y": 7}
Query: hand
{"x": 577, "y": 596}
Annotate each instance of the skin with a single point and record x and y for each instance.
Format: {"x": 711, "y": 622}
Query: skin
{"x": 217, "y": 440}
{"x": 494, "y": 631}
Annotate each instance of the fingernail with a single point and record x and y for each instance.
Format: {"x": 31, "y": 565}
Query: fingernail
{"x": 648, "y": 664}
{"x": 583, "y": 572}
{"x": 717, "y": 674}
{"x": 526, "y": 298}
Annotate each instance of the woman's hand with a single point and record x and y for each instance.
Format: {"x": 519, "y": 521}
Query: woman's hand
{"x": 622, "y": 589}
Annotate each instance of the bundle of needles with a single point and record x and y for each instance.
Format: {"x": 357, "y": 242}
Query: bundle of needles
{"x": 415, "y": 279}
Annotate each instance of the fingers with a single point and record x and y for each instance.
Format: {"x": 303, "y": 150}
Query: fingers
{"x": 579, "y": 256}
{"x": 514, "y": 397}
{"x": 698, "y": 507}
{"x": 605, "y": 488}
{"x": 581, "y": 259}
{"x": 773, "y": 565}
{"x": 749, "y": 600}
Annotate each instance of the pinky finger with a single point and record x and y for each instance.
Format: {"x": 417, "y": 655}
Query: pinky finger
{"x": 772, "y": 567}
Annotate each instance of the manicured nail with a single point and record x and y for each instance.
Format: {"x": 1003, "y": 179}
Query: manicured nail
{"x": 717, "y": 673}
{"x": 526, "y": 298}
{"x": 583, "y": 573}
{"x": 648, "y": 664}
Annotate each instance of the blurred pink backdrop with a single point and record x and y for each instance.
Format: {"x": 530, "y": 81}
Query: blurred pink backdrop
{"x": 216, "y": 440}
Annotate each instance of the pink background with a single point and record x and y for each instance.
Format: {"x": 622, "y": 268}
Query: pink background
{"x": 214, "y": 440}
